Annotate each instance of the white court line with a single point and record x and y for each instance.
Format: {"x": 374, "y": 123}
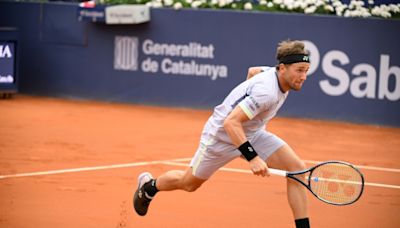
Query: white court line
{"x": 74, "y": 170}
{"x": 249, "y": 172}
{"x": 394, "y": 170}
{"x": 175, "y": 162}
{"x": 362, "y": 167}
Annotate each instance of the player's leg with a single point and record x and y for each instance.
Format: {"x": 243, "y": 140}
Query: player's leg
{"x": 179, "y": 180}
{"x": 208, "y": 159}
{"x": 279, "y": 155}
{"x": 171, "y": 180}
{"x": 286, "y": 159}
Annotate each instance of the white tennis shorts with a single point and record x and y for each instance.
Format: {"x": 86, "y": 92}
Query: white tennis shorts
{"x": 213, "y": 154}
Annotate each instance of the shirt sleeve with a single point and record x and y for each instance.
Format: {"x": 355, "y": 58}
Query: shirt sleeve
{"x": 264, "y": 68}
{"x": 255, "y": 102}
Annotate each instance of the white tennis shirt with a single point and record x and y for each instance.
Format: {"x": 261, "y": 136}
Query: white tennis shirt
{"x": 259, "y": 97}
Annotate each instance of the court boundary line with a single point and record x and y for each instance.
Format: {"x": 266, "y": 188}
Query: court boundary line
{"x": 375, "y": 168}
{"x": 93, "y": 168}
{"x": 362, "y": 167}
{"x": 177, "y": 162}
{"x": 249, "y": 172}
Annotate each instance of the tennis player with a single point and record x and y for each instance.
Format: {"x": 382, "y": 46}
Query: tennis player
{"x": 237, "y": 128}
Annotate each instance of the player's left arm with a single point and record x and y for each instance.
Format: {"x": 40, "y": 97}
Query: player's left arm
{"x": 253, "y": 71}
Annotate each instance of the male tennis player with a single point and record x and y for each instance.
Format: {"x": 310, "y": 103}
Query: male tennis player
{"x": 237, "y": 128}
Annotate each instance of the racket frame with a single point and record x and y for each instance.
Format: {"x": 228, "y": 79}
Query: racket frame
{"x": 292, "y": 175}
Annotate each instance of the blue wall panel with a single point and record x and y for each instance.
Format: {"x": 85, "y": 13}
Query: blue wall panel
{"x": 355, "y": 61}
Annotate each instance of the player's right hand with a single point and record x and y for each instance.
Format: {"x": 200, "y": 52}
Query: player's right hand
{"x": 259, "y": 167}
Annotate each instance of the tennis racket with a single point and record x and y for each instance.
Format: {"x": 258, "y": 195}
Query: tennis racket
{"x": 333, "y": 182}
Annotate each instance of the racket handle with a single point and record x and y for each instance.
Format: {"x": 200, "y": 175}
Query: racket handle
{"x": 278, "y": 172}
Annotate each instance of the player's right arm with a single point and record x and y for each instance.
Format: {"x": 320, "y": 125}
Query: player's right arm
{"x": 233, "y": 127}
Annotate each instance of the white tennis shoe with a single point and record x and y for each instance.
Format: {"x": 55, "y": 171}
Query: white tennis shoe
{"x": 141, "y": 199}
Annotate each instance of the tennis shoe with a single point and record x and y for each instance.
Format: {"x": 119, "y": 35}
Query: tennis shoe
{"x": 141, "y": 200}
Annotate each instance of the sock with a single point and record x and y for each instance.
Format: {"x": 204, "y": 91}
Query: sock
{"x": 150, "y": 188}
{"x": 302, "y": 223}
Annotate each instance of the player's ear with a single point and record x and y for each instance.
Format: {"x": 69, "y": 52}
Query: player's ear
{"x": 282, "y": 67}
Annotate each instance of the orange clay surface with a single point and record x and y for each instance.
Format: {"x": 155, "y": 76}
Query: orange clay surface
{"x": 46, "y": 134}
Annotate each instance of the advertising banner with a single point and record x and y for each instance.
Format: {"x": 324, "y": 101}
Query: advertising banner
{"x": 7, "y": 67}
{"x": 193, "y": 58}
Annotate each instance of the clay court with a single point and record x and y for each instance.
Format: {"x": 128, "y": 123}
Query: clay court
{"x": 67, "y": 163}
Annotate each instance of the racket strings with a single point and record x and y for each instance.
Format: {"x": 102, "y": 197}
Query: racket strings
{"x": 336, "y": 183}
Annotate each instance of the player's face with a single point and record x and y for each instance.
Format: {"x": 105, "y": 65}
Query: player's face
{"x": 296, "y": 74}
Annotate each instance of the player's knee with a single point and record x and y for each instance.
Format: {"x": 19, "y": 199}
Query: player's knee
{"x": 298, "y": 165}
{"x": 191, "y": 187}
{"x": 301, "y": 165}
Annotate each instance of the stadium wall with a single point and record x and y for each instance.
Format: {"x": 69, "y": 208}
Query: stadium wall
{"x": 193, "y": 58}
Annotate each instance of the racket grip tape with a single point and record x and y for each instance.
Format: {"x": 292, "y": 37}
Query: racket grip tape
{"x": 278, "y": 172}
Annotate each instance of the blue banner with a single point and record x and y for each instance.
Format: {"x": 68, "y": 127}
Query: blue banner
{"x": 193, "y": 58}
{"x": 7, "y": 66}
